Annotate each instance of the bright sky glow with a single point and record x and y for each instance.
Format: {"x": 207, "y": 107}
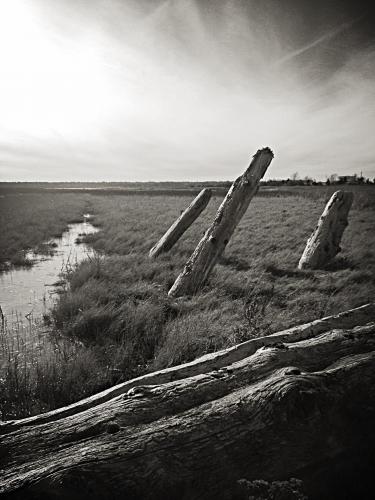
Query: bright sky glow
{"x": 179, "y": 89}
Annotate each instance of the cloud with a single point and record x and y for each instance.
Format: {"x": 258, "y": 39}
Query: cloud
{"x": 171, "y": 90}
{"x": 327, "y": 36}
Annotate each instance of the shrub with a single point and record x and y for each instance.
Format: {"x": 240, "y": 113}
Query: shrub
{"x": 275, "y": 490}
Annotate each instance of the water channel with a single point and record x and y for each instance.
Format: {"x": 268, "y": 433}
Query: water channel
{"x": 26, "y": 292}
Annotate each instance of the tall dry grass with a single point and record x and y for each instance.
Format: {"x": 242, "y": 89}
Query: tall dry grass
{"x": 40, "y": 370}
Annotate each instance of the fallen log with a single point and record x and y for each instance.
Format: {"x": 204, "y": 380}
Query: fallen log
{"x": 273, "y": 409}
{"x": 185, "y": 220}
{"x": 216, "y": 238}
{"x": 324, "y": 243}
{"x": 213, "y": 361}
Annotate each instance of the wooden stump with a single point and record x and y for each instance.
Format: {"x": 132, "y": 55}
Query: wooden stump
{"x": 285, "y": 402}
{"x": 324, "y": 243}
{"x": 229, "y": 214}
{"x": 185, "y": 220}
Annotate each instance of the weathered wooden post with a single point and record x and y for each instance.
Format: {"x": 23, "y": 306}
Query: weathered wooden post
{"x": 185, "y": 220}
{"x": 324, "y": 243}
{"x": 230, "y": 212}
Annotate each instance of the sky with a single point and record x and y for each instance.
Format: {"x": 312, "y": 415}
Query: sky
{"x": 140, "y": 90}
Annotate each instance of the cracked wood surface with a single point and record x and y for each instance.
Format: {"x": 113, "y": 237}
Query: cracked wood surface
{"x": 216, "y": 238}
{"x": 275, "y": 405}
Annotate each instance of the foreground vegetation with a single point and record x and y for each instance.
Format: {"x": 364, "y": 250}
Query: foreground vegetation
{"x": 122, "y": 323}
{"x": 41, "y": 370}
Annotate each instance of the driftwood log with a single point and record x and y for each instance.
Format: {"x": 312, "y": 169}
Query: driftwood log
{"x": 324, "y": 243}
{"x": 268, "y": 408}
{"x": 185, "y": 220}
{"x": 216, "y": 238}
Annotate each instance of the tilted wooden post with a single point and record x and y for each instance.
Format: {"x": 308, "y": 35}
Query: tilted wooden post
{"x": 324, "y": 243}
{"x": 185, "y": 220}
{"x": 229, "y": 214}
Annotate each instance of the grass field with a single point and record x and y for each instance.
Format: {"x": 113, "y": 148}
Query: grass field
{"x": 117, "y": 306}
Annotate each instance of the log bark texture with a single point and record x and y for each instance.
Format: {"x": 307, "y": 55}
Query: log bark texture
{"x": 185, "y": 220}
{"x": 324, "y": 243}
{"x": 216, "y": 238}
{"x": 275, "y": 406}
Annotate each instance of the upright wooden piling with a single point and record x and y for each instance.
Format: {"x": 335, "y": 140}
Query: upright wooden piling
{"x": 185, "y": 220}
{"x": 324, "y": 243}
{"x": 230, "y": 212}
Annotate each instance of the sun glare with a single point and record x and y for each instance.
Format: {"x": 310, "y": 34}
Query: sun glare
{"x": 48, "y": 85}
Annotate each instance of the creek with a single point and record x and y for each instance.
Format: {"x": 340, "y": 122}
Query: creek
{"x": 31, "y": 291}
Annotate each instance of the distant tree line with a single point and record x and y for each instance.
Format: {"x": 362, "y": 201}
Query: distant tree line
{"x": 333, "y": 179}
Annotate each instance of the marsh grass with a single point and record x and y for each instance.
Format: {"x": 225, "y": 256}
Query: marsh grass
{"x": 256, "y": 288}
{"x": 116, "y": 321}
{"x": 40, "y": 370}
{"x": 29, "y": 220}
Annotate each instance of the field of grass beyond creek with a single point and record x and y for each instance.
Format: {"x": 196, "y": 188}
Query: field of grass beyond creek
{"x": 115, "y": 321}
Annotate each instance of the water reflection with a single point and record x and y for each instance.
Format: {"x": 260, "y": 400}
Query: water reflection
{"x": 27, "y": 292}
